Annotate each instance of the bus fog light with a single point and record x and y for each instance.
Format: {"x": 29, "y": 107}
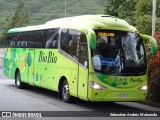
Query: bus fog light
{"x": 97, "y": 86}
{"x": 143, "y": 87}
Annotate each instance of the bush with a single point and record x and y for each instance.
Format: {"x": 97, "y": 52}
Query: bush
{"x": 154, "y": 74}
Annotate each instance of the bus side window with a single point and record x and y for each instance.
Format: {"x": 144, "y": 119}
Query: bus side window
{"x": 65, "y": 40}
{"x": 52, "y": 37}
{"x": 73, "y": 43}
{"x": 69, "y": 42}
{"x": 22, "y": 37}
{"x": 36, "y": 39}
{"x": 83, "y": 54}
{"x": 11, "y": 39}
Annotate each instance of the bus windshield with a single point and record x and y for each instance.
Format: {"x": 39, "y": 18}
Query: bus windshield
{"x": 119, "y": 53}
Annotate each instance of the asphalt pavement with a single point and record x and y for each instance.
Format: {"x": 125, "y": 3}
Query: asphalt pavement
{"x": 36, "y": 99}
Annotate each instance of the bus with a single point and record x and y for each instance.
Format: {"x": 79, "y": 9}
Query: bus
{"x": 95, "y": 58}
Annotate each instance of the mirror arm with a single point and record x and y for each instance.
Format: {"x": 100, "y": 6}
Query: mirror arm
{"x": 153, "y": 42}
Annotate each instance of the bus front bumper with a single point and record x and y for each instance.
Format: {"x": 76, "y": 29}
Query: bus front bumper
{"x": 117, "y": 96}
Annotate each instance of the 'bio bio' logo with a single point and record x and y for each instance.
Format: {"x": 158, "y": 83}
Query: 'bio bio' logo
{"x": 50, "y": 58}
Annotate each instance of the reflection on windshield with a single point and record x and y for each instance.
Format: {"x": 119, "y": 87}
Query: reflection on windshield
{"x": 133, "y": 50}
{"x": 119, "y": 52}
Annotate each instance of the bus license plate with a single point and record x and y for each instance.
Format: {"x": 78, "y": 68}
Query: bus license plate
{"x": 123, "y": 95}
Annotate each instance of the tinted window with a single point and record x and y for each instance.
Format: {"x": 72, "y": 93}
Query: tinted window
{"x": 69, "y": 41}
{"x": 74, "y": 43}
{"x": 52, "y": 37}
{"x": 11, "y": 39}
{"x": 22, "y": 40}
{"x": 83, "y": 54}
{"x": 36, "y": 39}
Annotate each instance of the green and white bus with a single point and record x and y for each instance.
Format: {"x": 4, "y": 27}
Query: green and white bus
{"x": 92, "y": 57}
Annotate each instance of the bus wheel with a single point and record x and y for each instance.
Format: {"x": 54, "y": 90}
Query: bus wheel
{"x": 19, "y": 84}
{"x": 65, "y": 92}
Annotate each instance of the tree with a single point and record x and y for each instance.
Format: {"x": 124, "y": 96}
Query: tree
{"x": 111, "y": 7}
{"x": 144, "y": 16}
{"x": 19, "y": 19}
{"x": 127, "y": 11}
{"x": 124, "y": 9}
{"x": 135, "y": 12}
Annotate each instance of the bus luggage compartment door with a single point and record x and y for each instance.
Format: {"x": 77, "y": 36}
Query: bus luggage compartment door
{"x": 30, "y": 62}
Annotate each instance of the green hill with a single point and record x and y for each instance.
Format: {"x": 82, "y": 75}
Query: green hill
{"x": 41, "y": 11}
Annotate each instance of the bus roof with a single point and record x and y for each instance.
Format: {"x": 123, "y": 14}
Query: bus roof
{"x": 82, "y": 22}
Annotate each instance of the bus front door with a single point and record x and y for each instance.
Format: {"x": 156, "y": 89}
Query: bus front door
{"x": 30, "y": 62}
{"x": 83, "y": 68}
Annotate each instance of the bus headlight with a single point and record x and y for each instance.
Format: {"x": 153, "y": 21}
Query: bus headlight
{"x": 143, "y": 87}
{"x": 97, "y": 86}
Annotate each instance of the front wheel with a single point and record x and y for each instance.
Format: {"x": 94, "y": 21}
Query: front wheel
{"x": 65, "y": 92}
{"x": 19, "y": 83}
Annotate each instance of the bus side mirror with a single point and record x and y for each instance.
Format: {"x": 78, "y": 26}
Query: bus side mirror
{"x": 153, "y": 43}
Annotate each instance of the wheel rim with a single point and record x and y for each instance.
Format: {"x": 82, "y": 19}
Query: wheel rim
{"x": 66, "y": 91}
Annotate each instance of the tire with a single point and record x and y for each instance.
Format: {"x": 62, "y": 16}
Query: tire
{"x": 19, "y": 84}
{"x": 65, "y": 92}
